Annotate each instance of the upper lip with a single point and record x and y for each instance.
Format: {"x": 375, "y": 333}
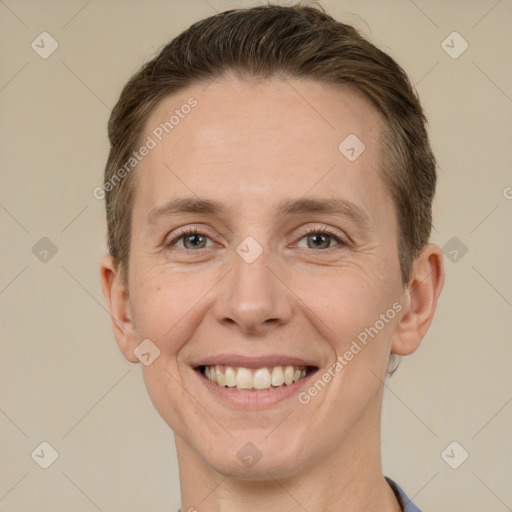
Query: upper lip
{"x": 253, "y": 361}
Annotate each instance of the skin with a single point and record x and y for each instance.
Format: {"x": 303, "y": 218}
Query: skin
{"x": 250, "y": 145}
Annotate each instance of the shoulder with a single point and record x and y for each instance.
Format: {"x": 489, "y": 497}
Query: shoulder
{"x": 406, "y": 504}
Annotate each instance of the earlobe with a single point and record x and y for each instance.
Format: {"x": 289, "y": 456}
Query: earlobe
{"x": 118, "y": 303}
{"x": 420, "y": 300}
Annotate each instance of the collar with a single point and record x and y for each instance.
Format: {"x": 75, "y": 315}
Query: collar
{"x": 406, "y": 504}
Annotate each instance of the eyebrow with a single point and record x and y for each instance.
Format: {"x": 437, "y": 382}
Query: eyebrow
{"x": 331, "y": 205}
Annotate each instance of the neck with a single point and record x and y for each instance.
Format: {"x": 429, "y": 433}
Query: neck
{"x": 348, "y": 478}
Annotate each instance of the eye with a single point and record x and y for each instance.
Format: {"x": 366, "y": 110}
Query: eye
{"x": 320, "y": 238}
{"x": 192, "y": 239}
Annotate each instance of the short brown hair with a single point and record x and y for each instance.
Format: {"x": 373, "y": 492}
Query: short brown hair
{"x": 302, "y": 42}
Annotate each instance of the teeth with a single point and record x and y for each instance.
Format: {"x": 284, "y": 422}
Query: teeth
{"x": 288, "y": 375}
{"x": 244, "y": 378}
{"x": 277, "y": 376}
{"x": 260, "y": 378}
{"x": 299, "y": 374}
{"x": 230, "y": 377}
{"x": 221, "y": 380}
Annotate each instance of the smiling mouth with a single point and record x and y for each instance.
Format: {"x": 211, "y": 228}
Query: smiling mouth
{"x": 255, "y": 379}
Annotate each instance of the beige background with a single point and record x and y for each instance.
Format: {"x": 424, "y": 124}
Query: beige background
{"x": 63, "y": 379}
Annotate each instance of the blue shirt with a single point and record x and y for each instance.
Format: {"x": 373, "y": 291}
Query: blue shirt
{"x": 406, "y": 504}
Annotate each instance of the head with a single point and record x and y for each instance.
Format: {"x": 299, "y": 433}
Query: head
{"x": 264, "y": 119}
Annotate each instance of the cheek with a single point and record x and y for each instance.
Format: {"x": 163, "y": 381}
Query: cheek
{"x": 166, "y": 305}
{"x": 165, "y": 311}
{"x": 156, "y": 307}
{"x": 354, "y": 307}
{"x": 168, "y": 395}
{"x": 149, "y": 308}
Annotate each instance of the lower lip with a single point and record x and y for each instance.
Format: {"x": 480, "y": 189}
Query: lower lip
{"x": 254, "y": 399}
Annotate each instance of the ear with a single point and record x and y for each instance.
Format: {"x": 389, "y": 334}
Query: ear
{"x": 419, "y": 300}
{"x": 117, "y": 297}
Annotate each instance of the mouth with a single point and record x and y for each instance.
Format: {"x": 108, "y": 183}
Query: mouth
{"x": 255, "y": 379}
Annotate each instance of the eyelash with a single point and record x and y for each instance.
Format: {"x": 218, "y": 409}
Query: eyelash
{"x": 314, "y": 231}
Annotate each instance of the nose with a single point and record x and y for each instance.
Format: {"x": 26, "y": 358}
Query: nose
{"x": 253, "y": 297}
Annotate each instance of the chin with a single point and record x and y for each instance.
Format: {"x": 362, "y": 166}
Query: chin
{"x": 256, "y": 457}
{"x": 266, "y": 468}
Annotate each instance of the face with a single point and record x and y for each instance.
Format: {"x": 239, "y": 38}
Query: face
{"x": 281, "y": 252}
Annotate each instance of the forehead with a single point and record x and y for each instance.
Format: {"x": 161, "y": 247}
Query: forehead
{"x": 252, "y": 145}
